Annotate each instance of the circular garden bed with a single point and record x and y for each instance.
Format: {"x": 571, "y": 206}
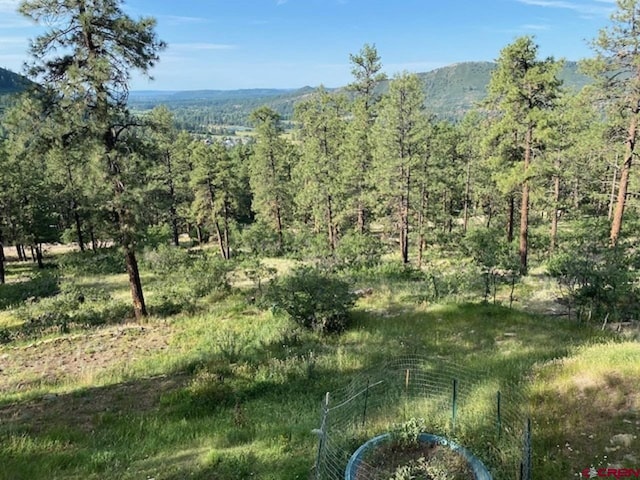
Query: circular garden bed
{"x": 431, "y": 457}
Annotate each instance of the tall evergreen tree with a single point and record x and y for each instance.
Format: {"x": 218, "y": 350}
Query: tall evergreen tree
{"x": 170, "y": 170}
{"x": 215, "y": 192}
{"x": 400, "y": 133}
{"x": 87, "y": 57}
{"x": 616, "y": 68}
{"x": 270, "y": 172}
{"x": 319, "y": 173}
{"x": 523, "y": 89}
{"x": 366, "y": 70}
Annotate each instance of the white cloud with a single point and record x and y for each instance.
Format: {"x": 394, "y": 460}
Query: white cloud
{"x": 588, "y": 8}
{"x": 181, "y": 20}
{"x": 532, "y": 26}
{"x": 201, "y": 46}
{"x": 9, "y": 6}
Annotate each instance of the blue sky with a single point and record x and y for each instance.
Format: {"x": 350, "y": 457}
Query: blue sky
{"x": 228, "y": 44}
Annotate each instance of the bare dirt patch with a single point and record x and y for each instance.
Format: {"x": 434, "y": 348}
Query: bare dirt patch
{"x": 80, "y": 359}
{"x": 77, "y": 357}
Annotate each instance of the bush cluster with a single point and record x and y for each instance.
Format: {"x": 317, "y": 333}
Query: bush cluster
{"x": 104, "y": 261}
{"x": 313, "y": 298}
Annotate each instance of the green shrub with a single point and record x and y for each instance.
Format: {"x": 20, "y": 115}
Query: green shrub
{"x": 105, "y": 261}
{"x": 598, "y": 281}
{"x": 313, "y": 299}
{"x": 358, "y": 251}
{"x": 310, "y": 246}
{"x": 156, "y": 235}
{"x": 165, "y": 259}
{"x": 261, "y": 240}
{"x": 209, "y": 274}
{"x": 407, "y": 434}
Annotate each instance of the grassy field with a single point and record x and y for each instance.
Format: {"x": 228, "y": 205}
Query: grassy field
{"x": 226, "y": 390}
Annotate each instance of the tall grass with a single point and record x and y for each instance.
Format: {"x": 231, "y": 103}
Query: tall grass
{"x": 234, "y": 392}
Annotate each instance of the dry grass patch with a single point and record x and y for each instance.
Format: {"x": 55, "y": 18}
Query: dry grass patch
{"x": 587, "y": 409}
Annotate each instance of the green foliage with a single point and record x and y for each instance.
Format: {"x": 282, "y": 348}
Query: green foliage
{"x": 306, "y": 245}
{"x": 261, "y": 240}
{"x": 257, "y": 272}
{"x": 313, "y": 299}
{"x": 494, "y": 255}
{"x": 104, "y": 261}
{"x": 156, "y": 235}
{"x": 165, "y": 259}
{"x": 357, "y": 251}
{"x": 598, "y": 281}
{"x": 208, "y": 274}
{"x": 187, "y": 274}
{"x": 407, "y": 434}
{"x": 40, "y": 285}
{"x": 73, "y": 308}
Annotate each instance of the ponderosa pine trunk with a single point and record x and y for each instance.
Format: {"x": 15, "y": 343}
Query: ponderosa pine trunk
{"x": 556, "y": 209}
{"x": 333, "y": 241}
{"x": 173, "y": 212}
{"x": 279, "y": 229}
{"x": 78, "y": 223}
{"x": 467, "y": 198}
{"x": 38, "y": 252}
{"x": 612, "y": 195}
{"x": 404, "y": 219}
{"x": 135, "y": 285}
{"x": 616, "y": 223}
{"x": 277, "y": 211}
{"x": 2, "y": 274}
{"x": 524, "y": 210}
{"x": 511, "y": 217}
{"x": 421, "y": 223}
{"x": 94, "y": 240}
{"x": 220, "y": 240}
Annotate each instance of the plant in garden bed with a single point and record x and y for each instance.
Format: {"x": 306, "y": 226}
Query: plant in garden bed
{"x": 406, "y": 457}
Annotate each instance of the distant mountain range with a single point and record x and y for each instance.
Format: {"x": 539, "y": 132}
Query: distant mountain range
{"x": 450, "y": 91}
{"x": 11, "y": 82}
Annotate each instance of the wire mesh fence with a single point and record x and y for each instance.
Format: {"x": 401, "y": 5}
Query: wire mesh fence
{"x": 486, "y": 416}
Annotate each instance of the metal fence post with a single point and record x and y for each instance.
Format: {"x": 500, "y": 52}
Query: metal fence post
{"x": 322, "y": 434}
{"x": 366, "y": 399}
{"x": 526, "y": 464}
{"x": 454, "y": 405}
{"x": 499, "y": 413}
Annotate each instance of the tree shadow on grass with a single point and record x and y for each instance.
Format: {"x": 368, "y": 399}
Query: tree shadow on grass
{"x": 41, "y": 285}
{"x": 254, "y": 412}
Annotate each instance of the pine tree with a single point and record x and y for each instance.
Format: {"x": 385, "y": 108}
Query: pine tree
{"x": 400, "y": 134}
{"x": 170, "y": 169}
{"x": 270, "y": 172}
{"x": 215, "y": 190}
{"x": 366, "y": 70}
{"x": 616, "y": 68}
{"x": 319, "y": 174}
{"x": 523, "y": 89}
{"x": 87, "y": 57}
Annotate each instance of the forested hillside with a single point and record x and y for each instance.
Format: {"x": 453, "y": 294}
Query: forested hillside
{"x": 450, "y": 92}
{"x": 11, "y": 82}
